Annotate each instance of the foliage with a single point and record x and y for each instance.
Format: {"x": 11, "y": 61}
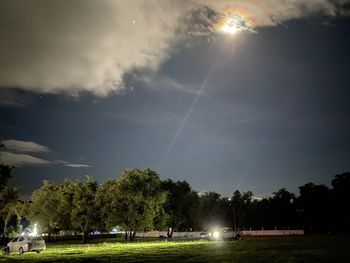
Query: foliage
{"x": 84, "y": 213}
{"x": 182, "y": 205}
{"x": 10, "y": 206}
{"x": 315, "y": 201}
{"x": 341, "y": 200}
{"x": 210, "y": 210}
{"x": 70, "y": 205}
{"x": 5, "y": 171}
{"x": 106, "y": 199}
{"x": 43, "y": 206}
{"x": 5, "y": 174}
{"x": 138, "y": 199}
{"x": 283, "y": 208}
{"x": 240, "y": 207}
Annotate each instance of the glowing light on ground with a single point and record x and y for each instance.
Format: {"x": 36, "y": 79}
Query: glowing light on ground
{"x": 35, "y": 230}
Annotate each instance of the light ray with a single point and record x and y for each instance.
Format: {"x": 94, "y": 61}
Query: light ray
{"x": 186, "y": 117}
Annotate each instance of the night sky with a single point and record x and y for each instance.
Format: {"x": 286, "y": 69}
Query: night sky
{"x": 82, "y": 92}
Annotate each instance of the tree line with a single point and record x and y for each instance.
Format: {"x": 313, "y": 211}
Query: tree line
{"x": 140, "y": 201}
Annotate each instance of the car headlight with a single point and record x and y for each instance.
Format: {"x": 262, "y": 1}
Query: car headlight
{"x": 216, "y": 234}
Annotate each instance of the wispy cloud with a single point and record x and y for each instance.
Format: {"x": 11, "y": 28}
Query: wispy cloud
{"x": 17, "y": 154}
{"x": 19, "y": 159}
{"x": 13, "y": 98}
{"x": 71, "y": 165}
{"x": 25, "y": 146}
{"x": 77, "y": 165}
{"x": 273, "y": 12}
{"x": 157, "y": 81}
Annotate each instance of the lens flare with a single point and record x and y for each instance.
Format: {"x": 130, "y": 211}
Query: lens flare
{"x": 216, "y": 234}
{"x": 232, "y": 25}
{"x": 235, "y": 20}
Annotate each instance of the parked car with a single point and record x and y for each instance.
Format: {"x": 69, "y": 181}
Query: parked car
{"x": 25, "y": 244}
{"x": 225, "y": 233}
{"x": 205, "y": 234}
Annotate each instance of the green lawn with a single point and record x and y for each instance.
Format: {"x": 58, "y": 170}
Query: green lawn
{"x": 288, "y": 249}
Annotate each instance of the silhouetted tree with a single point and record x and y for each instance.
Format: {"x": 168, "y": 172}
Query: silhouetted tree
{"x": 315, "y": 200}
{"x": 182, "y": 206}
{"x": 210, "y": 210}
{"x": 283, "y": 208}
{"x": 5, "y": 170}
{"x": 341, "y": 201}
{"x": 10, "y": 206}
{"x": 241, "y": 209}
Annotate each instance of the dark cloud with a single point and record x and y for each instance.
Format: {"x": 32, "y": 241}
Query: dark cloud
{"x": 14, "y": 98}
{"x": 70, "y": 46}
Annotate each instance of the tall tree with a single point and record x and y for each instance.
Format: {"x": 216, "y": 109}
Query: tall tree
{"x": 106, "y": 201}
{"x": 5, "y": 175}
{"x": 240, "y": 205}
{"x": 283, "y": 208}
{"x": 182, "y": 206}
{"x": 44, "y": 205}
{"x": 139, "y": 201}
{"x": 11, "y": 206}
{"x": 260, "y": 214}
{"x": 84, "y": 213}
{"x": 315, "y": 201}
{"x": 5, "y": 171}
{"x": 340, "y": 201}
{"x": 210, "y": 210}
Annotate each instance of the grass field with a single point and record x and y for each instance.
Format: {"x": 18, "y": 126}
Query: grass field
{"x": 287, "y": 249}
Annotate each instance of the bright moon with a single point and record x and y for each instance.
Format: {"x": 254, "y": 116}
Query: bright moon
{"x": 231, "y": 26}
{"x": 233, "y": 23}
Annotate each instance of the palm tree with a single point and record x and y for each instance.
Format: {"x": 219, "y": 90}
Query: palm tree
{"x": 10, "y": 205}
{"x": 5, "y": 170}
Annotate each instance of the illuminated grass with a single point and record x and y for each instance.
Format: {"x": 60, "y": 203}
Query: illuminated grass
{"x": 292, "y": 249}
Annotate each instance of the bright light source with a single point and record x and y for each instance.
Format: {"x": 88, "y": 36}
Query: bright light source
{"x": 232, "y": 26}
{"x": 235, "y": 20}
{"x": 35, "y": 231}
{"x": 216, "y": 234}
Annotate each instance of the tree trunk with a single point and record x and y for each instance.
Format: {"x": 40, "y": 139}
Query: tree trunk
{"x": 130, "y": 236}
{"x": 49, "y": 233}
{"x": 170, "y": 232}
{"x": 5, "y": 225}
{"x": 18, "y": 227}
{"x": 85, "y": 235}
{"x": 126, "y": 235}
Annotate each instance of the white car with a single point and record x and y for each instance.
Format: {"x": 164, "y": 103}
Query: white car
{"x": 25, "y": 244}
{"x": 225, "y": 233}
